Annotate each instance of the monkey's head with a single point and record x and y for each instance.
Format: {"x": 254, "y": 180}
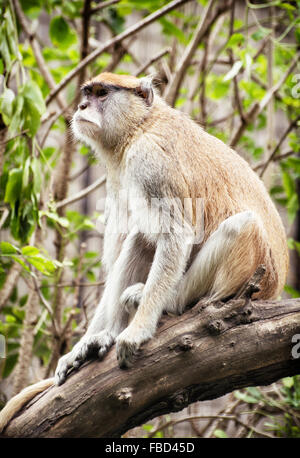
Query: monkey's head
{"x": 112, "y": 106}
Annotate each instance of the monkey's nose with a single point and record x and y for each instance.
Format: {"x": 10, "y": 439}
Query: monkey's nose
{"x": 82, "y": 105}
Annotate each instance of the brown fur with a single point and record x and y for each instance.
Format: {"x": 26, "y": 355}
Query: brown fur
{"x": 126, "y": 81}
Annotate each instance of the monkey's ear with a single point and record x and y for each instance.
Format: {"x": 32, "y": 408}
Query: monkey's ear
{"x": 145, "y": 90}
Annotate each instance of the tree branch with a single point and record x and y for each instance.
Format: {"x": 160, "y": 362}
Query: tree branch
{"x": 201, "y": 30}
{"x": 10, "y": 282}
{"x": 257, "y": 108}
{"x": 104, "y": 5}
{"x": 210, "y": 350}
{"x": 272, "y": 156}
{"x": 82, "y": 193}
{"x": 151, "y": 61}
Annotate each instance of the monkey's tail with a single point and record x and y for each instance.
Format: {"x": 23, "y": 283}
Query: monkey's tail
{"x": 18, "y": 401}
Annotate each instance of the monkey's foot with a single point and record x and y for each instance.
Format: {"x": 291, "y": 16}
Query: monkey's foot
{"x": 128, "y": 344}
{"x": 131, "y": 297}
{"x": 88, "y": 346}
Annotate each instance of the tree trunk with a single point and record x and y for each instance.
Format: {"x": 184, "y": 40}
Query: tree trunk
{"x": 208, "y": 351}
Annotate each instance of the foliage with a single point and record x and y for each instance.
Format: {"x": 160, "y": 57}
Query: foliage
{"x": 46, "y": 239}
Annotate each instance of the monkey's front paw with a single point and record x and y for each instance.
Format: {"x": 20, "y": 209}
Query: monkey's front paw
{"x": 131, "y": 297}
{"x": 97, "y": 344}
{"x": 128, "y": 344}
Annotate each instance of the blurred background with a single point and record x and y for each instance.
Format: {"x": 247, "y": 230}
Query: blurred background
{"x": 233, "y": 66}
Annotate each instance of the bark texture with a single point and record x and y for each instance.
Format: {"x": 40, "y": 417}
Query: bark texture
{"x": 208, "y": 351}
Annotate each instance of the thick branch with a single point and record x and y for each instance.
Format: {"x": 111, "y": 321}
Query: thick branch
{"x": 208, "y": 351}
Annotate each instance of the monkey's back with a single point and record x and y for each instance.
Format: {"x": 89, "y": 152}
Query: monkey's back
{"x": 209, "y": 169}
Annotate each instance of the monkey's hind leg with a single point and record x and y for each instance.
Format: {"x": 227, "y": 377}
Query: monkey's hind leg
{"x": 131, "y": 298}
{"x": 226, "y": 261}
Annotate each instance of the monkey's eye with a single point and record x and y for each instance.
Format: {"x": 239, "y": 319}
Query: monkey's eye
{"x": 101, "y": 92}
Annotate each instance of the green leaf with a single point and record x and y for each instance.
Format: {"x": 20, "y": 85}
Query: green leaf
{"x": 37, "y": 175}
{"x": 216, "y": 86}
{"x": 34, "y": 96}
{"x": 258, "y": 35}
{"x": 288, "y": 184}
{"x": 147, "y": 427}
{"x": 293, "y": 163}
{"x": 292, "y": 207}
{"x": 20, "y": 261}
{"x": 286, "y": 6}
{"x": 245, "y": 397}
{"x": 30, "y": 250}
{"x": 6, "y": 104}
{"x": 7, "y": 248}
{"x": 32, "y": 7}
{"x": 54, "y": 217}
{"x": 288, "y": 382}
{"x": 16, "y": 121}
{"x": 292, "y": 291}
{"x": 46, "y": 266}
{"x": 60, "y": 33}
{"x": 237, "y": 39}
{"x": 14, "y": 186}
{"x": 170, "y": 29}
{"x": 220, "y": 434}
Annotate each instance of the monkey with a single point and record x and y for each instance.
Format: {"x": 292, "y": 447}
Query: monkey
{"x": 157, "y": 155}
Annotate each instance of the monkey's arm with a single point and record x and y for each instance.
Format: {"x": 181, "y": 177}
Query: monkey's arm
{"x": 159, "y": 292}
{"x": 109, "y": 318}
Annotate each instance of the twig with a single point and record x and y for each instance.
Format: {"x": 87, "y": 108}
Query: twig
{"x": 14, "y": 137}
{"x": 257, "y": 108}
{"x": 53, "y": 121}
{"x": 201, "y": 30}
{"x": 270, "y": 64}
{"x": 82, "y": 193}
{"x": 73, "y": 285}
{"x": 292, "y": 125}
{"x": 220, "y": 120}
{"x": 275, "y": 159}
{"x": 104, "y": 5}
{"x": 127, "y": 33}
{"x": 151, "y": 61}
{"x": 217, "y": 422}
{"x": 236, "y": 92}
{"x": 202, "y": 97}
{"x": 206, "y": 417}
{"x": 80, "y": 172}
{"x": 36, "y": 50}
{"x": 45, "y": 303}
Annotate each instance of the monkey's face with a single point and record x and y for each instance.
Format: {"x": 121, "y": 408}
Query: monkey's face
{"x": 109, "y": 111}
{"x": 88, "y": 119}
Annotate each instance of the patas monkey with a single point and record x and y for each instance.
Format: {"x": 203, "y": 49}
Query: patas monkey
{"x": 157, "y": 153}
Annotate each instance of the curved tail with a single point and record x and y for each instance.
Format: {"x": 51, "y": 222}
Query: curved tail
{"x": 18, "y": 401}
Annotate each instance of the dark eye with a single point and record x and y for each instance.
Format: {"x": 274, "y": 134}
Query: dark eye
{"x": 87, "y": 90}
{"x": 102, "y": 93}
